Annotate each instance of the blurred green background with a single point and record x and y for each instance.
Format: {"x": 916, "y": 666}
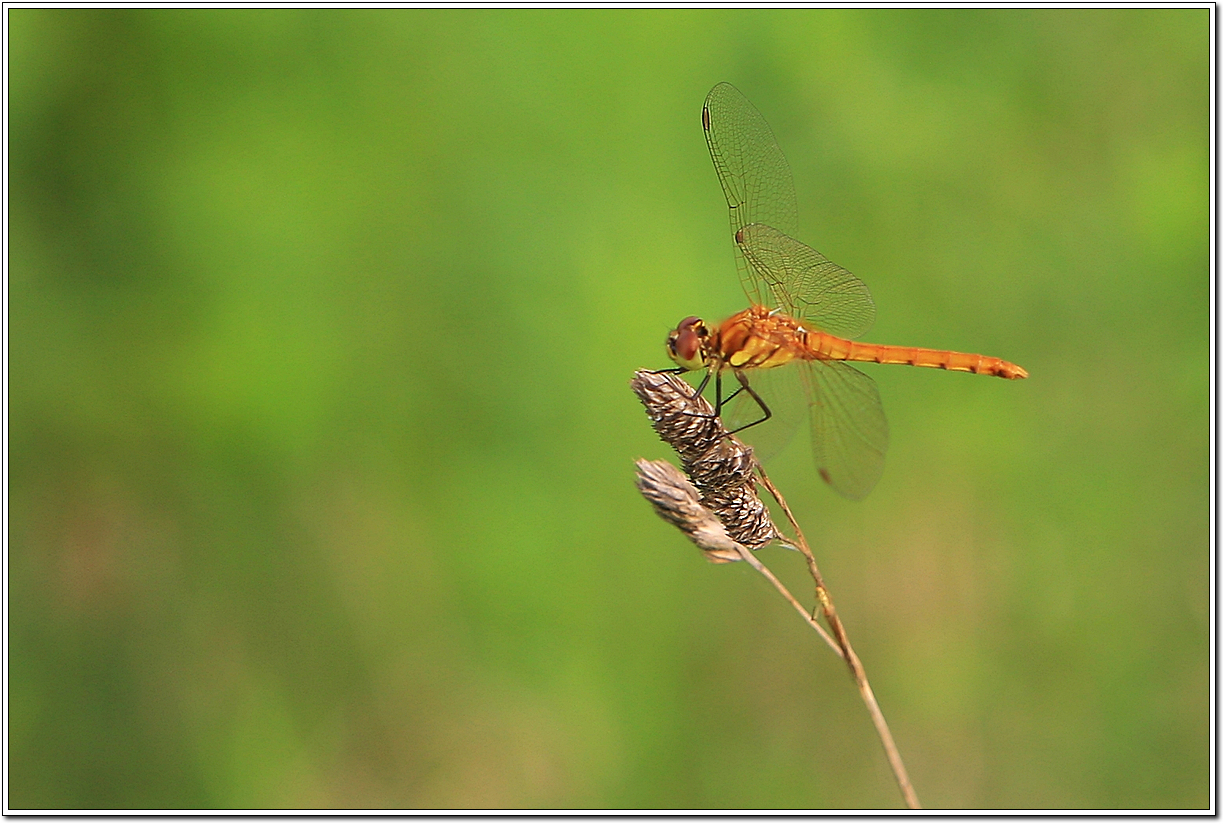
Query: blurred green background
{"x": 321, "y": 437}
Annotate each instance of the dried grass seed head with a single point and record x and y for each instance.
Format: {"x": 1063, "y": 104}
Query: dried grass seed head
{"x": 719, "y": 465}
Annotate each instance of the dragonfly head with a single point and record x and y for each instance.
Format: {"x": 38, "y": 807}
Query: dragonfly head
{"x": 688, "y": 344}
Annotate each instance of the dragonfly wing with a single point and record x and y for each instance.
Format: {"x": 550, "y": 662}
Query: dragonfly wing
{"x": 783, "y": 390}
{"x": 805, "y": 283}
{"x": 755, "y": 177}
{"x": 849, "y": 431}
{"x": 775, "y": 269}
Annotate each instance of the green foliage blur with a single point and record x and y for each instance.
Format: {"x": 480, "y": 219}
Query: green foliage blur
{"x": 321, "y": 327}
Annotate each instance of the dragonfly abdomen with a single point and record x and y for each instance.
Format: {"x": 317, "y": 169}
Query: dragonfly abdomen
{"x": 831, "y": 347}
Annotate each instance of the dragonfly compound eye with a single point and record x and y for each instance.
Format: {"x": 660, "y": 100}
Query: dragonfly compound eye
{"x": 685, "y": 345}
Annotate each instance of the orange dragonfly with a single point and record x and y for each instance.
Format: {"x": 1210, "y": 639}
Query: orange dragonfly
{"x": 805, "y": 310}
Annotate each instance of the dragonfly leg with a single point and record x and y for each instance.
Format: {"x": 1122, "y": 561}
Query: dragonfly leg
{"x": 719, "y": 401}
{"x": 705, "y": 381}
{"x": 744, "y": 387}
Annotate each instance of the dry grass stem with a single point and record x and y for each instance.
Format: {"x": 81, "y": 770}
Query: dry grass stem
{"x": 852, "y": 660}
{"x": 721, "y": 512}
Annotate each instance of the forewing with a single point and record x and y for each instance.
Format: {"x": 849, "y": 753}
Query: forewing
{"x": 755, "y": 177}
{"x": 849, "y": 431}
{"x": 806, "y": 284}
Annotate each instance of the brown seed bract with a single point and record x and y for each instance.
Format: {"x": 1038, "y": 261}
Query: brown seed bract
{"x": 719, "y": 466}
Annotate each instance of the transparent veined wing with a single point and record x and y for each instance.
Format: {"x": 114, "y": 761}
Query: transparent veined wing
{"x": 775, "y": 269}
{"x": 849, "y": 430}
{"x": 805, "y": 284}
{"x": 753, "y": 172}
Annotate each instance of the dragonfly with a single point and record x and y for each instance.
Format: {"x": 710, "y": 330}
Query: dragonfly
{"x": 790, "y": 349}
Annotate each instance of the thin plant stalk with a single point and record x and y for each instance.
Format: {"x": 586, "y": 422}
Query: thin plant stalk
{"x": 847, "y": 652}
{"x": 714, "y": 502}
